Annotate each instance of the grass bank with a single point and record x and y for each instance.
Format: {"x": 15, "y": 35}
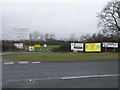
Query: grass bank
{"x": 62, "y": 56}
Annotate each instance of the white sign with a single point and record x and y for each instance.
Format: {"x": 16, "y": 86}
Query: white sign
{"x": 45, "y": 45}
{"x": 20, "y": 34}
{"x": 77, "y": 46}
{"x": 110, "y": 44}
{"x": 31, "y": 48}
{"x": 19, "y": 45}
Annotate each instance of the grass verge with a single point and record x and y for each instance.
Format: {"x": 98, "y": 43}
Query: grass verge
{"x": 62, "y": 56}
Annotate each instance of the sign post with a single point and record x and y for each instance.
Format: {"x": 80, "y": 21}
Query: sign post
{"x": 105, "y": 49}
{"x": 114, "y": 49}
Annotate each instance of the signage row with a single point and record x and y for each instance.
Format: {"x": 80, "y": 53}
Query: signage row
{"x": 30, "y": 48}
{"x": 92, "y": 47}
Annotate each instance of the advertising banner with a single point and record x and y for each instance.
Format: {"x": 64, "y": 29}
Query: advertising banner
{"x": 110, "y": 44}
{"x": 31, "y": 48}
{"x": 19, "y": 45}
{"x": 37, "y": 45}
{"x": 77, "y": 46}
{"x": 92, "y": 47}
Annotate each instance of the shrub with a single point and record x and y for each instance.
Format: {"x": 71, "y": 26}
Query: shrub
{"x": 8, "y": 46}
{"x": 62, "y": 48}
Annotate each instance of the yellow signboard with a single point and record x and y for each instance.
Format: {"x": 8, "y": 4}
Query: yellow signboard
{"x": 93, "y": 47}
{"x": 37, "y": 45}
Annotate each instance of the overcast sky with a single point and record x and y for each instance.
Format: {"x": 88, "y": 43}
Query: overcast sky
{"x": 60, "y": 17}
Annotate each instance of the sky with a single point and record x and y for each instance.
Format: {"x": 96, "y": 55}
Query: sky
{"x": 60, "y": 17}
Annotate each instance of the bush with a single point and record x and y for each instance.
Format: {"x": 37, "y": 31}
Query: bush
{"x": 8, "y": 46}
{"x": 62, "y": 48}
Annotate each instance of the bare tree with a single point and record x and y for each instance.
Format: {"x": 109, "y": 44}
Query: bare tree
{"x": 34, "y": 36}
{"x": 37, "y": 36}
{"x": 30, "y": 36}
{"x": 84, "y": 37}
{"x": 109, "y": 17}
{"x": 72, "y": 37}
{"x": 49, "y": 36}
{"x": 46, "y": 36}
{"x": 42, "y": 37}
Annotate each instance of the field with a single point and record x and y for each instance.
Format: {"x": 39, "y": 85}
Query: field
{"x": 62, "y": 56}
{"x": 42, "y": 48}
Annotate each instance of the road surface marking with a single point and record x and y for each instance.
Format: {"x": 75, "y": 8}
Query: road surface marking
{"x": 92, "y": 76}
{"x": 35, "y": 62}
{"x": 8, "y": 63}
{"x": 23, "y": 62}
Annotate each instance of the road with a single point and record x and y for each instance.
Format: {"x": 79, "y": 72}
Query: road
{"x": 4, "y": 53}
{"x": 89, "y": 74}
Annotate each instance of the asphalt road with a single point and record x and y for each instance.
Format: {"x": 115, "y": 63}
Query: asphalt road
{"x": 5, "y": 53}
{"x": 90, "y": 74}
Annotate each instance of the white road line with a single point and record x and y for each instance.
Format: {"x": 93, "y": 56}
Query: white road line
{"x": 8, "y": 63}
{"x": 92, "y": 76}
{"x": 23, "y": 62}
{"x": 35, "y": 62}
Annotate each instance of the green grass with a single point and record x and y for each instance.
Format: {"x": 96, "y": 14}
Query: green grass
{"x": 63, "y": 56}
{"x": 42, "y": 48}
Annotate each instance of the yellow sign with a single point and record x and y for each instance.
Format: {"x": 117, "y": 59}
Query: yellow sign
{"x": 93, "y": 47}
{"x": 37, "y": 45}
